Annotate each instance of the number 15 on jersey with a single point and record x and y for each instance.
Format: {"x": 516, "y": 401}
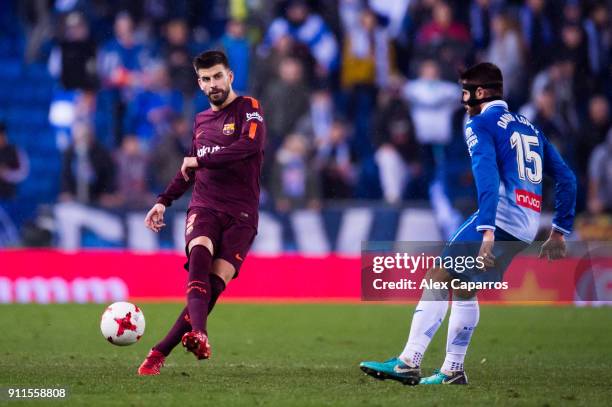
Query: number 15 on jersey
{"x": 525, "y": 155}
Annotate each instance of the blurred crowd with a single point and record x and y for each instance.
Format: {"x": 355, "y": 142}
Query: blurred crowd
{"x": 360, "y": 97}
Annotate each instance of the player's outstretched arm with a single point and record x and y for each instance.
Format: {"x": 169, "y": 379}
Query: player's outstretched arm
{"x": 180, "y": 183}
{"x": 177, "y": 187}
{"x": 155, "y": 218}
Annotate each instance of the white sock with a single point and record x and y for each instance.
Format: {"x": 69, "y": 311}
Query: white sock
{"x": 461, "y": 324}
{"x": 427, "y": 318}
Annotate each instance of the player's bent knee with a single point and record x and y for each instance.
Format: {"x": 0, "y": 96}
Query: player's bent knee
{"x": 201, "y": 241}
{"x": 224, "y": 269}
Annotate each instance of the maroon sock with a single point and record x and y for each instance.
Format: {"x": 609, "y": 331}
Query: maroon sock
{"x": 180, "y": 327}
{"x": 198, "y": 287}
{"x": 217, "y": 285}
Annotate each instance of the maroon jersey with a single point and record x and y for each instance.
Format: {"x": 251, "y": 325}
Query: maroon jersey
{"x": 228, "y": 144}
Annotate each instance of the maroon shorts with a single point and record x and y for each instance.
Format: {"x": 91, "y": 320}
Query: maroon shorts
{"x": 231, "y": 238}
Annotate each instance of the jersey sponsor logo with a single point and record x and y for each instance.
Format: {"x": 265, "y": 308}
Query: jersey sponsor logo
{"x": 528, "y": 200}
{"x": 254, "y": 116}
{"x": 229, "y": 128}
{"x": 205, "y": 150}
{"x": 470, "y": 139}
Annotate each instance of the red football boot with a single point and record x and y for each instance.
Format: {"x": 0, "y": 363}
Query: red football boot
{"x": 196, "y": 342}
{"x": 152, "y": 363}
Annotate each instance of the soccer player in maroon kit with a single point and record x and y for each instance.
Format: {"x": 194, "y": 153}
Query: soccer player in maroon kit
{"x": 224, "y": 168}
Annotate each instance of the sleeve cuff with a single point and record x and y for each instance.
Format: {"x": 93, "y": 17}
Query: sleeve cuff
{"x": 200, "y": 161}
{"x": 560, "y": 229}
{"x": 164, "y": 201}
{"x": 480, "y": 228}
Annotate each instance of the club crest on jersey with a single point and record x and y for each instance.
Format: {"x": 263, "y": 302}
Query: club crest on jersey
{"x": 229, "y": 128}
{"x": 254, "y": 115}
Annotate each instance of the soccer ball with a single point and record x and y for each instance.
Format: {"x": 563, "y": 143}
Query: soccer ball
{"x": 122, "y": 323}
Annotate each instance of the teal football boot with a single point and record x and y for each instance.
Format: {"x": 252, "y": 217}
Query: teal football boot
{"x": 440, "y": 378}
{"x": 393, "y": 369}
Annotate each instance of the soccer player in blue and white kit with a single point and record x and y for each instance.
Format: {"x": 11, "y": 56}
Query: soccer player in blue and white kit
{"x": 509, "y": 158}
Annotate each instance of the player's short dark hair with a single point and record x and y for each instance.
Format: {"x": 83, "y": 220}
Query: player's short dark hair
{"x": 208, "y": 59}
{"x": 484, "y": 74}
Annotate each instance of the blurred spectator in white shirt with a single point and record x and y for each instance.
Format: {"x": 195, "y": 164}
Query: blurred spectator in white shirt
{"x": 398, "y": 153}
{"x": 432, "y": 103}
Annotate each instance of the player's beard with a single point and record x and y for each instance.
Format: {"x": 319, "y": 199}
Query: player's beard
{"x": 218, "y": 97}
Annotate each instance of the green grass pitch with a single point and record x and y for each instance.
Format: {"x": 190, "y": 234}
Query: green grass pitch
{"x": 308, "y": 354}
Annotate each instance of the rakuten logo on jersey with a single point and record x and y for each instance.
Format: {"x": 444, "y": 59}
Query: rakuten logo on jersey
{"x": 205, "y": 150}
{"x": 528, "y": 200}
